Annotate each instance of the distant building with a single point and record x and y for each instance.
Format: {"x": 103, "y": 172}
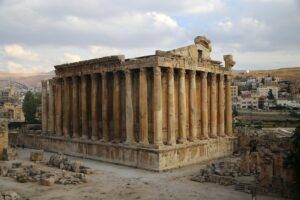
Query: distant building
{"x": 247, "y": 102}
{"x": 288, "y": 103}
{"x": 234, "y": 93}
{"x": 263, "y": 91}
{"x": 11, "y": 111}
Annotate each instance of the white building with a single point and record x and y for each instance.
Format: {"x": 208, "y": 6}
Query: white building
{"x": 288, "y": 103}
{"x": 247, "y": 102}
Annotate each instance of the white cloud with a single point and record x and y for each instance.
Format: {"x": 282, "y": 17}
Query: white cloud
{"x": 249, "y": 23}
{"x": 69, "y": 57}
{"x": 13, "y": 67}
{"x": 17, "y": 51}
{"x": 226, "y": 24}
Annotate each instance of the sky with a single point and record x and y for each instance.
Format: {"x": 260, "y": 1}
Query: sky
{"x": 35, "y": 35}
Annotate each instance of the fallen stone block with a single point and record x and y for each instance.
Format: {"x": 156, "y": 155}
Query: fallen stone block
{"x": 9, "y": 154}
{"x": 48, "y": 181}
{"x": 3, "y": 170}
{"x": 16, "y": 164}
{"x": 10, "y": 195}
{"x": 36, "y": 156}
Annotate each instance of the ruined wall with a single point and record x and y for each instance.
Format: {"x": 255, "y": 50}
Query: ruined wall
{"x": 3, "y": 137}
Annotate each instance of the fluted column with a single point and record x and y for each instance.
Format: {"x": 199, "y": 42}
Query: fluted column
{"x": 221, "y": 106}
{"x": 58, "y": 108}
{"x": 171, "y": 108}
{"x": 44, "y": 107}
{"x": 204, "y": 105}
{"x": 104, "y": 105}
{"x": 129, "y": 108}
{"x": 75, "y": 108}
{"x": 116, "y": 107}
{"x": 213, "y": 106}
{"x": 94, "y": 97}
{"x": 182, "y": 107}
{"x": 51, "y": 125}
{"x": 84, "y": 109}
{"x": 193, "y": 120}
{"x": 66, "y": 108}
{"x": 143, "y": 105}
{"x": 157, "y": 107}
{"x": 228, "y": 106}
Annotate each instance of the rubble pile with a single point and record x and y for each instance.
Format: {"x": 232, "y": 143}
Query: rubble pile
{"x": 62, "y": 162}
{"x": 69, "y": 173}
{"x": 259, "y": 164}
{"x": 9, "y": 195}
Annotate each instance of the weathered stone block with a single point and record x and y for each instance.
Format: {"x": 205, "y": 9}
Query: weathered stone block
{"x": 36, "y": 156}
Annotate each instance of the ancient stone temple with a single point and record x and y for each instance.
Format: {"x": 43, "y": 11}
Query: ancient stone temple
{"x": 154, "y": 112}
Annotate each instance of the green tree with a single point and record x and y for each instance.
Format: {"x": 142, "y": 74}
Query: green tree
{"x": 270, "y": 95}
{"x": 235, "y": 111}
{"x": 30, "y": 105}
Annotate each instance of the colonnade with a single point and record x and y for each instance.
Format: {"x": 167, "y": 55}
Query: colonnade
{"x": 107, "y": 107}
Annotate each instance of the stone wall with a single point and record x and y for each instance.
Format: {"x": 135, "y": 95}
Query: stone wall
{"x": 130, "y": 155}
{"x": 3, "y": 137}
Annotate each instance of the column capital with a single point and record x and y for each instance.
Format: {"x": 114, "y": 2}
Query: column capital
{"x": 44, "y": 83}
{"x": 157, "y": 71}
{"x": 93, "y": 75}
{"x": 74, "y": 79}
{"x": 51, "y": 81}
{"x": 171, "y": 71}
{"x": 127, "y": 72}
{"x": 143, "y": 70}
{"x": 221, "y": 77}
{"x": 228, "y": 78}
{"x": 193, "y": 72}
{"x": 182, "y": 72}
{"x": 204, "y": 75}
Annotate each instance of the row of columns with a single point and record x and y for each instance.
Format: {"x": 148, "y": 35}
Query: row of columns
{"x": 59, "y": 104}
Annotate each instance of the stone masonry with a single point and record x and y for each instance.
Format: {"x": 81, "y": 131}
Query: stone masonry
{"x": 3, "y": 137}
{"x": 154, "y": 112}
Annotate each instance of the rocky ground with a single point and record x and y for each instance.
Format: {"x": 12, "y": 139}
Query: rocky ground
{"x": 261, "y": 164}
{"x": 109, "y": 181}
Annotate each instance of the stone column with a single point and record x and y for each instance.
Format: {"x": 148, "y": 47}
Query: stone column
{"x": 44, "y": 107}
{"x": 182, "y": 107}
{"x": 213, "y": 107}
{"x": 193, "y": 120}
{"x": 157, "y": 107}
{"x": 143, "y": 105}
{"x": 116, "y": 108}
{"x": 51, "y": 125}
{"x": 129, "y": 108}
{"x": 204, "y": 105}
{"x": 84, "y": 114}
{"x": 171, "y": 108}
{"x": 94, "y": 107}
{"x": 221, "y": 106}
{"x": 58, "y": 108}
{"x": 75, "y": 104}
{"x": 104, "y": 105}
{"x": 228, "y": 106}
{"x": 66, "y": 108}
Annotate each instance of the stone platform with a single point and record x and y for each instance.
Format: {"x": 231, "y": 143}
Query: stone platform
{"x": 167, "y": 157}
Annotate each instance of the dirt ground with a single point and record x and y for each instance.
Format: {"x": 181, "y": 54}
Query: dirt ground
{"x": 111, "y": 182}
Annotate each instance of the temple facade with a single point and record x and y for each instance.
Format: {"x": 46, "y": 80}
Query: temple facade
{"x": 154, "y": 112}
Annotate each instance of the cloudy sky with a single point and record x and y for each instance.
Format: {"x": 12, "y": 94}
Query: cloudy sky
{"x": 37, "y": 34}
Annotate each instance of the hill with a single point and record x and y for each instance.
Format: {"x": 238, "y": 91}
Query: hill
{"x": 28, "y": 79}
